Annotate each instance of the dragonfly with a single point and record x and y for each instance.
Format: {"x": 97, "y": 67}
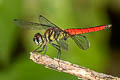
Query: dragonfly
{"x": 56, "y": 36}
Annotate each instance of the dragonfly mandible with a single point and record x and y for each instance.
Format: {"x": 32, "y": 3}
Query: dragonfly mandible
{"x": 55, "y": 34}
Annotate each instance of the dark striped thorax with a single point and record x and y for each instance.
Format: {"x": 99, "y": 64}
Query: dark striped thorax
{"x": 54, "y": 34}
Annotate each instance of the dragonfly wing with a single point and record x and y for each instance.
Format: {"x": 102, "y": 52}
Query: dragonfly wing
{"x": 63, "y": 44}
{"x": 81, "y": 41}
{"x": 30, "y": 25}
{"x": 44, "y": 20}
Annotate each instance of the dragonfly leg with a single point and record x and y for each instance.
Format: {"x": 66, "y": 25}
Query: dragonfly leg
{"x": 59, "y": 52}
{"x": 36, "y": 49}
{"x": 42, "y": 49}
{"x": 58, "y": 48}
{"x": 45, "y": 50}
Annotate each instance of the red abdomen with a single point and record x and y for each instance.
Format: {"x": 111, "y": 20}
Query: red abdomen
{"x": 86, "y": 30}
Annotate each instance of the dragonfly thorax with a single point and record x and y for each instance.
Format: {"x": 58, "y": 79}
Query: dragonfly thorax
{"x": 38, "y": 39}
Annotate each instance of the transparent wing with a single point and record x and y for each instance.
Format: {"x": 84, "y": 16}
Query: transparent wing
{"x": 63, "y": 44}
{"x": 81, "y": 41}
{"x": 44, "y": 20}
{"x": 30, "y": 25}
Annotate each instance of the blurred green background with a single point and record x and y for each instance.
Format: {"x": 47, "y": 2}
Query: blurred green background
{"x": 16, "y": 43}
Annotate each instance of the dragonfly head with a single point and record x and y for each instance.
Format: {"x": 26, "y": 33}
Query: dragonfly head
{"x": 38, "y": 39}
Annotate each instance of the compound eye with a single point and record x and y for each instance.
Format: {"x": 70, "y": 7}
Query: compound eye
{"x": 37, "y": 38}
{"x": 36, "y": 41}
